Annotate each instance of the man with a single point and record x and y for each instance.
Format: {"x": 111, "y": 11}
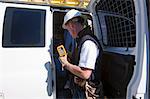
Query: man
{"x": 88, "y": 51}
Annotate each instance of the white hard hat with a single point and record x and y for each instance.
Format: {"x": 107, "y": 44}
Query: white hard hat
{"x": 70, "y": 15}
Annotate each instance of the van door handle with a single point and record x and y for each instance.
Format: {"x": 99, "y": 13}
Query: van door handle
{"x": 50, "y": 79}
{"x": 133, "y": 97}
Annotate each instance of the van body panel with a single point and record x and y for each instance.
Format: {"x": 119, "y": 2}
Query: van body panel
{"x": 141, "y": 91}
{"x": 23, "y": 74}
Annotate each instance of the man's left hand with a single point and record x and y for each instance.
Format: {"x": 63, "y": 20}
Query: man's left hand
{"x": 63, "y": 60}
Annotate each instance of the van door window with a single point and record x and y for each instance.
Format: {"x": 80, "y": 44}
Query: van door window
{"x": 24, "y": 27}
{"x": 117, "y": 23}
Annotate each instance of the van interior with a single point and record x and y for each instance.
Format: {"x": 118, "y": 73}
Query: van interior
{"x": 117, "y": 30}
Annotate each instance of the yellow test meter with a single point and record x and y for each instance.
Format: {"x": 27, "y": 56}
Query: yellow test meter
{"x": 61, "y": 50}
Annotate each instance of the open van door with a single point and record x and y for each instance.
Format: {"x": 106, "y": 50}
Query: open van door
{"x": 25, "y": 36}
{"x": 122, "y": 29}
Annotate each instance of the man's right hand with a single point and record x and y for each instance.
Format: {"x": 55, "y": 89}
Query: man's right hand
{"x": 79, "y": 81}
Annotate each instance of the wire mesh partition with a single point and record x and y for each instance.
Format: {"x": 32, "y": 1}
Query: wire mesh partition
{"x": 119, "y": 16}
{"x": 120, "y": 32}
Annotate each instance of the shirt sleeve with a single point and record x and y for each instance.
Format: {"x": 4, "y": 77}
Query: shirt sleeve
{"x": 88, "y": 55}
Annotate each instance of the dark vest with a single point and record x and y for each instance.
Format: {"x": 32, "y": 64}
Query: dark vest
{"x": 95, "y": 79}
{"x": 87, "y": 34}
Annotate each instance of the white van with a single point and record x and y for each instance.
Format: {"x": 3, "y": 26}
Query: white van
{"x": 30, "y": 33}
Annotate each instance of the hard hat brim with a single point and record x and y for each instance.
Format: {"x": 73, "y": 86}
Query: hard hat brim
{"x": 65, "y": 22}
